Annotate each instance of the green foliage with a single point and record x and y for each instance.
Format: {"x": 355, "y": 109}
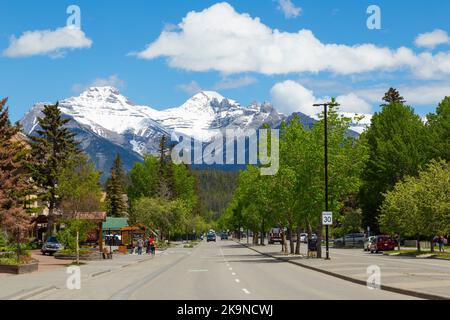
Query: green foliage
{"x": 419, "y": 206}
{"x": 79, "y": 185}
{"x": 67, "y": 236}
{"x": 397, "y": 144}
{"x": 214, "y": 189}
{"x": 295, "y": 195}
{"x": 115, "y": 190}
{"x": 169, "y": 216}
{"x": 439, "y": 131}
{"x": 144, "y": 178}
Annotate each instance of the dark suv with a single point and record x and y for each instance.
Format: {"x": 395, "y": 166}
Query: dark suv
{"x": 51, "y": 246}
{"x": 211, "y": 237}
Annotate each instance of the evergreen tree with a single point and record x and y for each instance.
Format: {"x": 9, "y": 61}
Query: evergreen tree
{"x": 397, "y": 147}
{"x": 115, "y": 190}
{"x": 51, "y": 148}
{"x": 14, "y": 179}
{"x": 393, "y": 96}
{"x": 166, "y": 186}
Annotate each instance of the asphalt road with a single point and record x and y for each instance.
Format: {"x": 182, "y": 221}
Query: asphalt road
{"x": 216, "y": 271}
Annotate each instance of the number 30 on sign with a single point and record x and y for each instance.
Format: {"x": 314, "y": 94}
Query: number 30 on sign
{"x": 327, "y": 218}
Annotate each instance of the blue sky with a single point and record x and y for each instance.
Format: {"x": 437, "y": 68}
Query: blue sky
{"x": 240, "y": 57}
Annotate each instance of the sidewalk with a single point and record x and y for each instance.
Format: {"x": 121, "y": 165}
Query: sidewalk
{"x": 52, "y": 274}
{"x": 423, "y": 278}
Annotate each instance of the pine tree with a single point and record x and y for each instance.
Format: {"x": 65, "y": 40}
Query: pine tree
{"x": 166, "y": 188}
{"x": 51, "y": 148}
{"x": 115, "y": 190}
{"x": 393, "y": 96}
{"x": 14, "y": 180}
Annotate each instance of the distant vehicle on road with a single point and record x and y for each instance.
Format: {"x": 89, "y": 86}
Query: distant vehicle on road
{"x": 275, "y": 235}
{"x": 382, "y": 243}
{"x": 211, "y": 237}
{"x": 369, "y": 242}
{"x": 51, "y": 246}
{"x": 351, "y": 240}
{"x": 223, "y": 236}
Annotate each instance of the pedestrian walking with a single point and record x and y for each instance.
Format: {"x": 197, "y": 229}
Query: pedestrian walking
{"x": 441, "y": 244}
{"x": 140, "y": 244}
{"x": 152, "y": 245}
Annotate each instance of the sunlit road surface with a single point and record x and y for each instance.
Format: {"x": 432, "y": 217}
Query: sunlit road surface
{"x": 222, "y": 270}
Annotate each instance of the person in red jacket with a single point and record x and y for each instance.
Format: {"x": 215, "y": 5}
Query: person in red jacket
{"x": 152, "y": 244}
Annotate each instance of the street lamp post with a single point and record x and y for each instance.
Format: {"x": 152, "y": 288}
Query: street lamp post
{"x": 333, "y": 103}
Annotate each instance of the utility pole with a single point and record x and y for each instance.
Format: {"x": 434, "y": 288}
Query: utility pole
{"x": 333, "y": 103}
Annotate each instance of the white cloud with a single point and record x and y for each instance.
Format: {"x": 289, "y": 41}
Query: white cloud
{"x": 431, "y": 39}
{"x": 352, "y": 103}
{"x": 47, "y": 42}
{"x": 240, "y": 82}
{"x": 290, "y": 96}
{"x": 221, "y": 39}
{"x": 191, "y": 88}
{"x": 289, "y": 9}
{"x": 112, "y": 81}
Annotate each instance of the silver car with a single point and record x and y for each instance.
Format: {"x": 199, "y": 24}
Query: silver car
{"x": 351, "y": 240}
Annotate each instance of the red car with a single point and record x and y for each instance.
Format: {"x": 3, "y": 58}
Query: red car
{"x": 382, "y": 243}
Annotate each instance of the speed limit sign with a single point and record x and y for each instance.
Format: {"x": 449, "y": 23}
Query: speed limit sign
{"x": 327, "y": 218}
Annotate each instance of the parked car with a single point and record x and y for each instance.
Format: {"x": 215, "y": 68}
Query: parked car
{"x": 211, "y": 237}
{"x": 275, "y": 235}
{"x": 382, "y": 243}
{"x": 369, "y": 242}
{"x": 351, "y": 240}
{"x": 51, "y": 246}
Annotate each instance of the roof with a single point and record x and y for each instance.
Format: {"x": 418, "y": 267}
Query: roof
{"x": 115, "y": 223}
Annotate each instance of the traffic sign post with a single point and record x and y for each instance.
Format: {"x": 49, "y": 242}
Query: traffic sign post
{"x": 327, "y": 220}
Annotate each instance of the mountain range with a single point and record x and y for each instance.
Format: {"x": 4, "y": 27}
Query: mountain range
{"x": 108, "y": 123}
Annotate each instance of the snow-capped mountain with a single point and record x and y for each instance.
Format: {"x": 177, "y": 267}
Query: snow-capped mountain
{"x": 102, "y": 117}
{"x": 107, "y": 123}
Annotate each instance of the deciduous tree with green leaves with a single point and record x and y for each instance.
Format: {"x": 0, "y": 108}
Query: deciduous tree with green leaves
{"x": 419, "y": 206}
{"x": 397, "y": 147}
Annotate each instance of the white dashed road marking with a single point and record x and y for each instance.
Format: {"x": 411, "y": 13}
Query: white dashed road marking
{"x": 246, "y": 291}
{"x": 237, "y": 280}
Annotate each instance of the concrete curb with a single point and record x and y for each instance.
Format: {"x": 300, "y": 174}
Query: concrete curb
{"x": 412, "y": 293}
